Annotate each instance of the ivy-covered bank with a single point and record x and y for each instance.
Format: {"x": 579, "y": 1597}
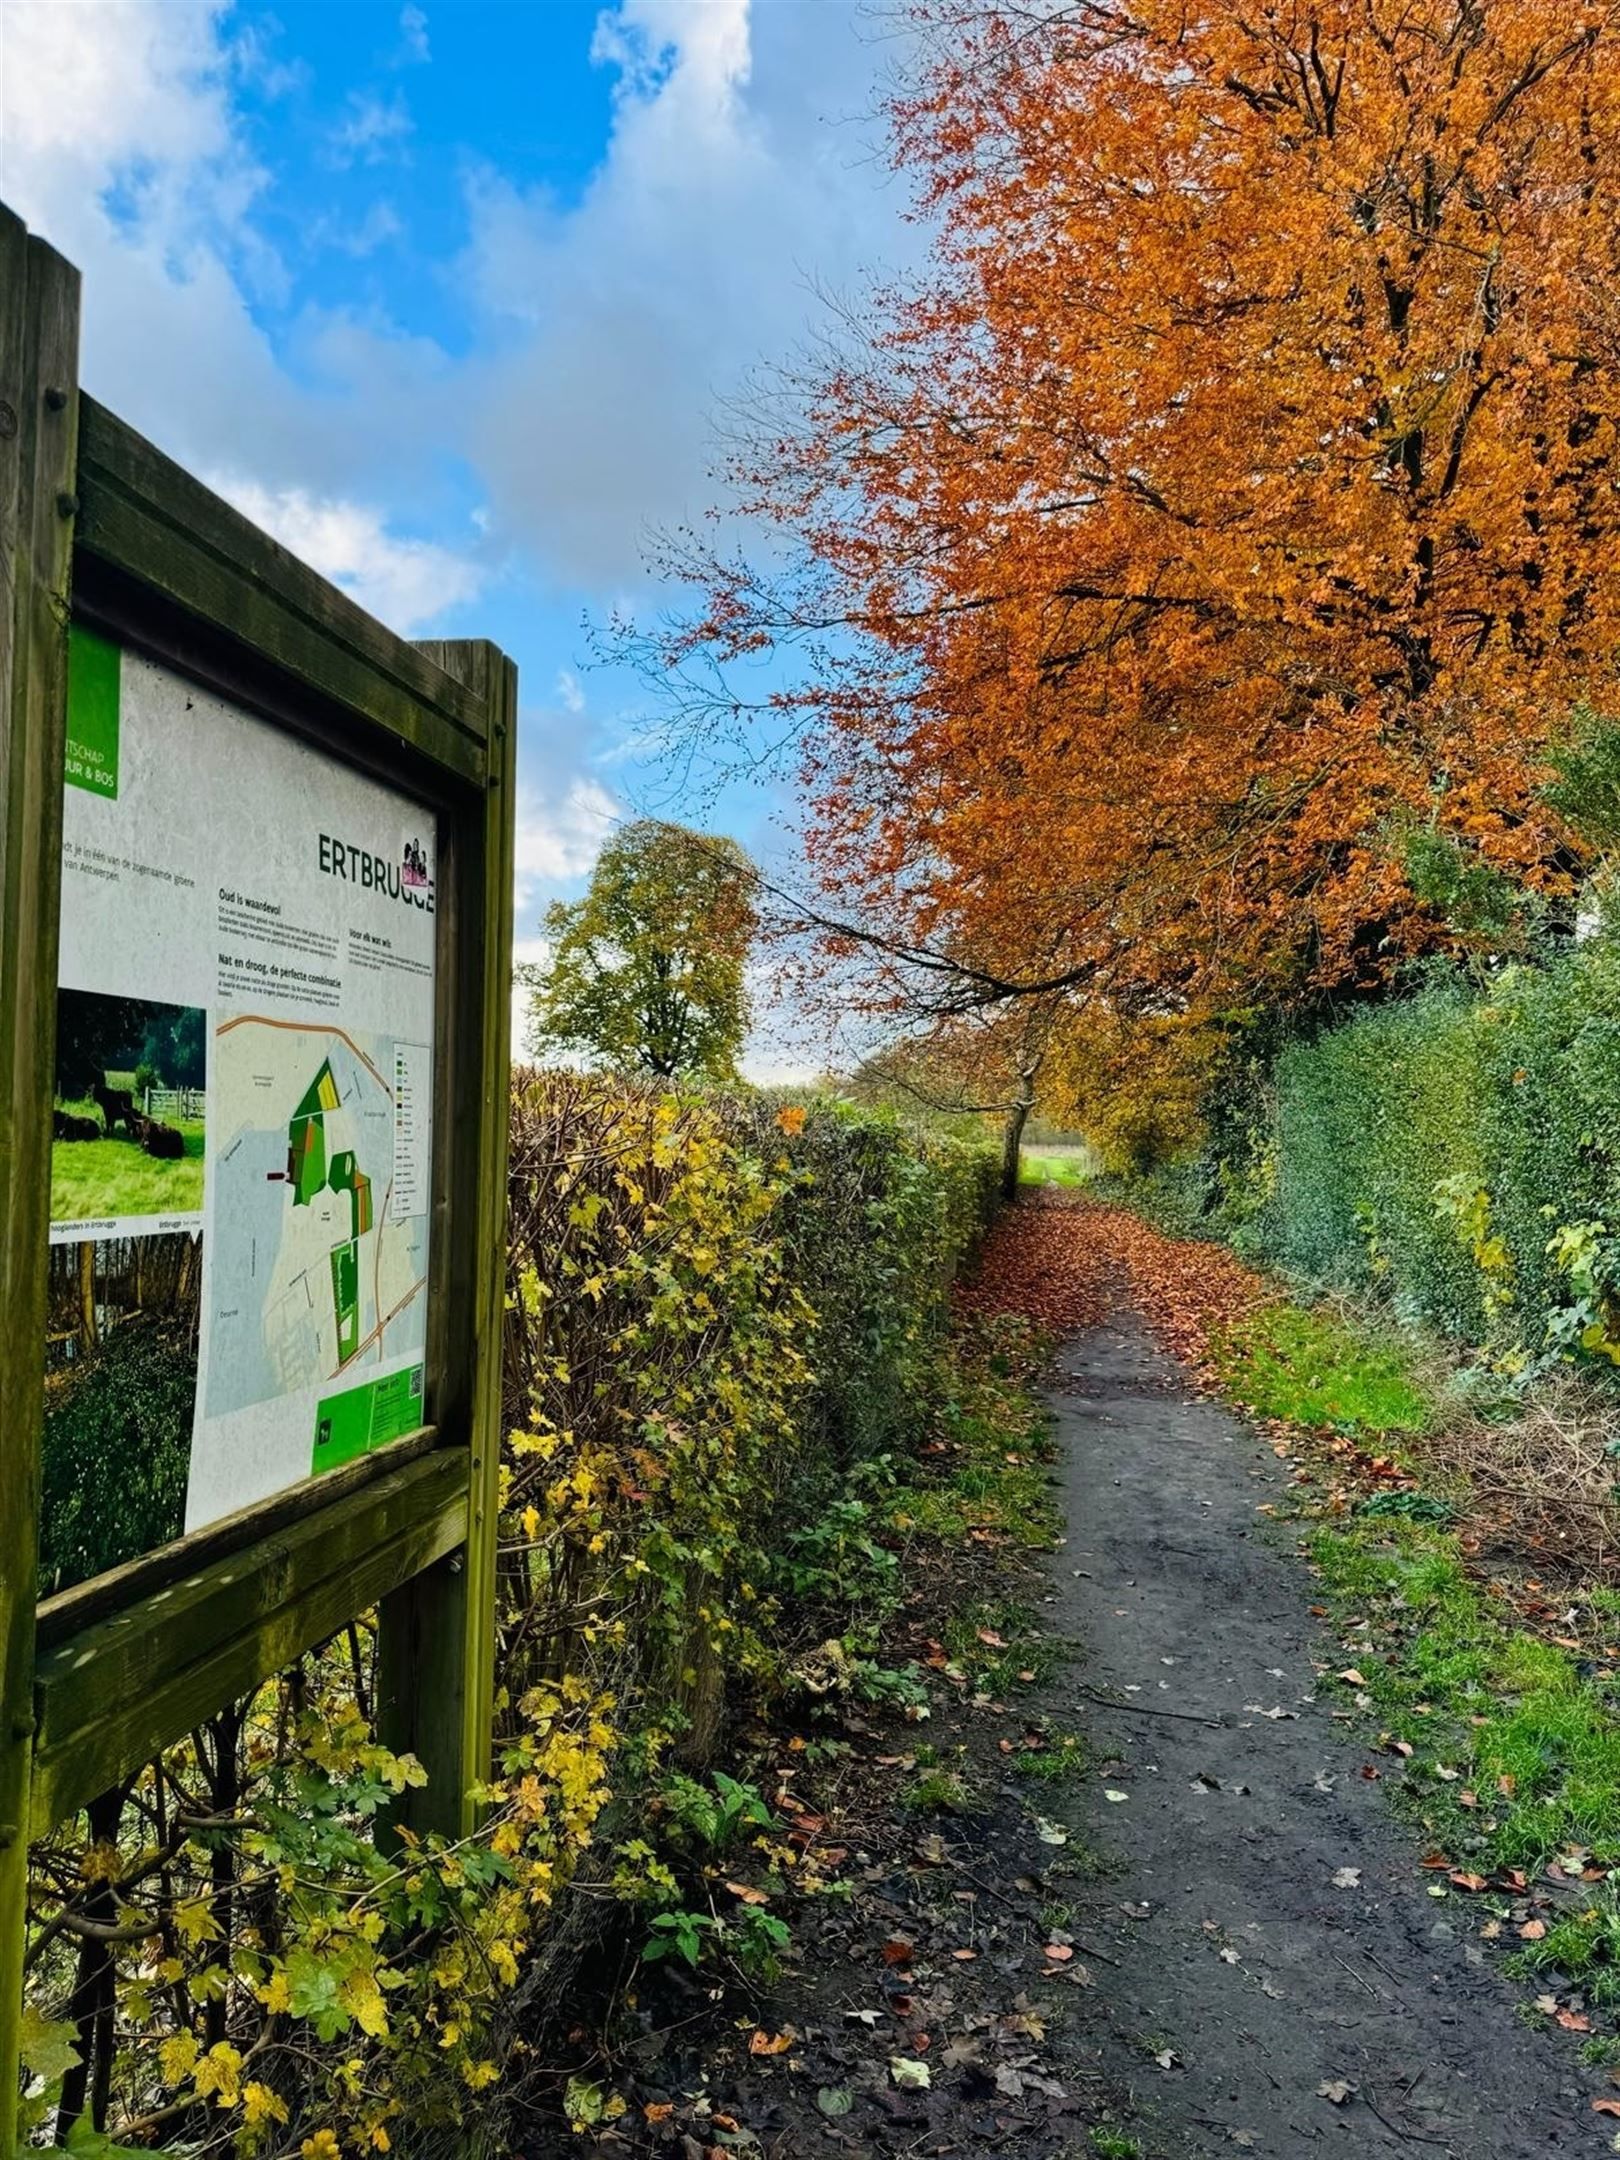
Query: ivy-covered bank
{"x": 1455, "y": 1152}
{"x": 725, "y": 1336}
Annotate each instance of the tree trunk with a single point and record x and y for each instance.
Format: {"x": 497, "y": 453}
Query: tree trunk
{"x": 1013, "y": 1138}
{"x": 88, "y": 1331}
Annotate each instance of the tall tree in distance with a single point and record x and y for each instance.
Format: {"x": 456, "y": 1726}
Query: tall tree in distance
{"x": 647, "y": 970}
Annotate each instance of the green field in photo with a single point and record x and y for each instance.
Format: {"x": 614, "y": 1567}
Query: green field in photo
{"x": 114, "y": 1177}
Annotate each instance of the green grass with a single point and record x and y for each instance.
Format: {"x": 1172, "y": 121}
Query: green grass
{"x": 1018, "y": 1647}
{"x": 997, "y": 1442}
{"x": 1312, "y": 1369}
{"x": 113, "y": 1177}
{"x": 1055, "y": 1166}
{"x": 1584, "y": 1946}
{"x": 940, "y": 1792}
{"x": 1447, "y": 1671}
{"x": 1111, "y": 2144}
{"x": 1066, "y": 1760}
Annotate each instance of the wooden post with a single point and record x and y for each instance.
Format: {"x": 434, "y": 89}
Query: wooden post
{"x": 39, "y": 342}
{"x": 88, "y": 1331}
{"x": 437, "y": 1653}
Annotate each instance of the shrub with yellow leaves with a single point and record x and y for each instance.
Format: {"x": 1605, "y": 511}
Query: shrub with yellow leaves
{"x": 715, "y": 1304}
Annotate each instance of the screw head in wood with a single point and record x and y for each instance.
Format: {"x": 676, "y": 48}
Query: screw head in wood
{"x": 55, "y": 399}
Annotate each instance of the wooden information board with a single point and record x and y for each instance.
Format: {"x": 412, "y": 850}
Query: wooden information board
{"x": 255, "y": 964}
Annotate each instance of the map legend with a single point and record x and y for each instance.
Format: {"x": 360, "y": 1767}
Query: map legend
{"x": 413, "y": 1107}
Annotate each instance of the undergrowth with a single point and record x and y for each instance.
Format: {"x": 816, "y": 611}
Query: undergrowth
{"x": 730, "y": 1416}
{"x": 1502, "y": 1743}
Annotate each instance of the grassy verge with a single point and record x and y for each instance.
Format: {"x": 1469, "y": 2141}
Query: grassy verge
{"x": 1317, "y": 1369}
{"x": 983, "y": 1477}
{"x": 1501, "y": 1738}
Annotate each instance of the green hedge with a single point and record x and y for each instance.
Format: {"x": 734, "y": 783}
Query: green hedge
{"x": 1405, "y": 1142}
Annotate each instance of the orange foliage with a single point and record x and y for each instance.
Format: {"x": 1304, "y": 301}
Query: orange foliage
{"x": 1240, "y": 475}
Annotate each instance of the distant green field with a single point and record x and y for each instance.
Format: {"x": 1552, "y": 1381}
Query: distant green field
{"x": 113, "y": 1177}
{"x": 1056, "y": 1166}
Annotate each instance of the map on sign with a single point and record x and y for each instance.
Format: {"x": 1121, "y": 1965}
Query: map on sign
{"x": 320, "y": 1260}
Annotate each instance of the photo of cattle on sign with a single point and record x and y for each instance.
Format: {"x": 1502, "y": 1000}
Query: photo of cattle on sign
{"x": 128, "y": 1120}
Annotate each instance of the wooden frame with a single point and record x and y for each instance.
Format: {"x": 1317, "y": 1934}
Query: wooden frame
{"x": 97, "y": 525}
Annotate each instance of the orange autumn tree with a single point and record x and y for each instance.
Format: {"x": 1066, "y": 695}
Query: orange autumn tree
{"x": 1238, "y": 480}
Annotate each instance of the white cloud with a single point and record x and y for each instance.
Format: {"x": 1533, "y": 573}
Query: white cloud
{"x": 560, "y": 830}
{"x": 408, "y": 583}
{"x": 527, "y": 952}
{"x": 360, "y": 237}
{"x": 413, "y": 31}
{"x": 620, "y": 322}
{"x": 570, "y": 696}
{"x": 373, "y": 128}
{"x": 91, "y": 94}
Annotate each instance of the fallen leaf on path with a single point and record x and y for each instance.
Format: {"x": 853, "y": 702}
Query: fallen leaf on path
{"x": 765, "y": 2043}
{"x": 1338, "y": 2090}
{"x": 1111, "y": 1792}
{"x": 1606, "y": 2107}
{"x": 834, "y": 2100}
{"x": 1572, "y": 2021}
{"x": 910, "y": 2076}
{"x": 897, "y": 1951}
{"x": 1347, "y": 1878}
{"x": 1050, "y": 1833}
{"x": 1059, "y": 1953}
{"x": 1465, "y": 1881}
{"x": 1532, "y": 1931}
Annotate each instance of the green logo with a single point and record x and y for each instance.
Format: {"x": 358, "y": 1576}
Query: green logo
{"x": 92, "y": 713}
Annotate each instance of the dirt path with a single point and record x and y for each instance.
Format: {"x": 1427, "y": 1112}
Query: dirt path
{"x": 1123, "y": 1886}
{"x": 1244, "y": 1947}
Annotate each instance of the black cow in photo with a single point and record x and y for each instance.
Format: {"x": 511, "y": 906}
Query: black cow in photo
{"x": 117, "y": 1108}
{"x": 65, "y": 1126}
{"x": 160, "y": 1141}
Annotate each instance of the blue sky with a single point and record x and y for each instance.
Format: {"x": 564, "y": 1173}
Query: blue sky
{"x": 448, "y": 294}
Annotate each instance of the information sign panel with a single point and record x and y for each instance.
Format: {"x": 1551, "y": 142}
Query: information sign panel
{"x": 245, "y": 1023}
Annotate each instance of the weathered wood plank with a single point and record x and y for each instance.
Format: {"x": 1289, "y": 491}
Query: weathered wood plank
{"x": 69, "y": 1612}
{"x": 149, "y": 518}
{"x": 115, "y": 1695}
{"x": 39, "y": 317}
